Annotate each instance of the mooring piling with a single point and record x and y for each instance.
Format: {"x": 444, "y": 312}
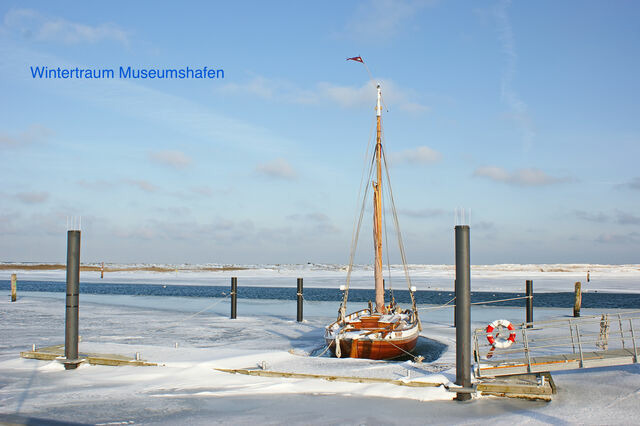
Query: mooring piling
{"x": 529, "y": 291}
{"x": 578, "y": 300}
{"x": 455, "y": 305}
{"x": 73, "y": 290}
{"x": 234, "y": 297}
{"x": 299, "y": 299}
{"x": 463, "y": 311}
{"x": 14, "y": 287}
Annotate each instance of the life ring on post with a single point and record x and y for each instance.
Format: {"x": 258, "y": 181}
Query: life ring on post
{"x": 498, "y": 341}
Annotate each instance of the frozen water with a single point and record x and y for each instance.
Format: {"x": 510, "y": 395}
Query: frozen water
{"x": 186, "y": 388}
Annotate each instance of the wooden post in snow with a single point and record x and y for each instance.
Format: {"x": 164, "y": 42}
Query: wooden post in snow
{"x": 234, "y": 297}
{"x": 578, "y": 301}
{"x": 300, "y": 300}
{"x": 529, "y": 302}
{"x": 14, "y": 288}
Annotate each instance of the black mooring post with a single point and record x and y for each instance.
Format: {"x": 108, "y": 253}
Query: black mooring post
{"x": 299, "y": 299}
{"x": 455, "y": 304}
{"x": 234, "y": 297}
{"x": 73, "y": 290}
{"x": 529, "y": 302}
{"x": 463, "y": 312}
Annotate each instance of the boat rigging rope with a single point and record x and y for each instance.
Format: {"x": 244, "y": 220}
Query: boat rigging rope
{"x": 354, "y": 242}
{"x": 386, "y": 242}
{"x": 403, "y": 255}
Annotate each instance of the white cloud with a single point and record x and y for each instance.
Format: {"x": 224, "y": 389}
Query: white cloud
{"x": 591, "y": 217}
{"x": 33, "y": 134}
{"x": 610, "y": 238}
{"x": 33, "y": 197}
{"x": 174, "y": 159}
{"x": 624, "y": 218}
{"x": 32, "y": 24}
{"x": 323, "y": 92}
{"x": 633, "y": 184}
{"x": 380, "y": 20}
{"x": 141, "y": 184}
{"x": 519, "y": 110}
{"x": 278, "y": 168}
{"x": 419, "y": 155}
{"x": 318, "y": 222}
{"x": 423, "y": 213}
{"x": 521, "y": 177}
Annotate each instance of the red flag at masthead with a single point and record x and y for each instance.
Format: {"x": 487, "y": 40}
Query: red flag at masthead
{"x": 356, "y": 58}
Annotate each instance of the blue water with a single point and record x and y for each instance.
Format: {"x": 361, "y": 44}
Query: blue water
{"x": 551, "y": 300}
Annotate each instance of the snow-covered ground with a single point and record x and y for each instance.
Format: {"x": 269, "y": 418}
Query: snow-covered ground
{"x": 507, "y": 278}
{"x": 186, "y": 389}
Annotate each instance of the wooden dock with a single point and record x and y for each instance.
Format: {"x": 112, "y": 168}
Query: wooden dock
{"x": 56, "y": 352}
{"x": 331, "y": 378}
{"x": 558, "y": 362}
{"x": 523, "y": 386}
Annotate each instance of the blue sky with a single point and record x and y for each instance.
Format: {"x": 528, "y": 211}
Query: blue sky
{"x": 524, "y": 113}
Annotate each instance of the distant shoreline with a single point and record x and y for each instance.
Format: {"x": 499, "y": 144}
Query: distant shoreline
{"x": 59, "y": 266}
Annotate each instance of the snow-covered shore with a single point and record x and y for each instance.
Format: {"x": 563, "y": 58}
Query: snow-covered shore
{"x": 507, "y": 278}
{"x": 185, "y": 388}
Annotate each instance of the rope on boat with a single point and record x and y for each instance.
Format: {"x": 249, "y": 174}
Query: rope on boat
{"x": 416, "y": 358}
{"x": 403, "y": 255}
{"x": 354, "y": 242}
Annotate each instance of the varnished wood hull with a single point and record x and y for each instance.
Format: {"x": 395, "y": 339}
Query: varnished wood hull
{"x": 373, "y": 349}
{"x": 366, "y": 334}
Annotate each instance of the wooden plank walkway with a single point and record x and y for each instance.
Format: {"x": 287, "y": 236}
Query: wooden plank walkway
{"x": 539, "y": 364}
{"x": 350, "y": 379}
{"x": 56, "y": 352}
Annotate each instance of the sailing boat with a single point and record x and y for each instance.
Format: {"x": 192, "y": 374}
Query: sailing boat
{"x": 383, "y": 331}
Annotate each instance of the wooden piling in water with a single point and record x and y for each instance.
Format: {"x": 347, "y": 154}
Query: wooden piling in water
{"x": 299, "y": 300}
{"x": 234, "y": 297}
{"x": 578, "y": 301}
{"x": 72, "y": 301}
{"x": 14, "y": 287}
{"x": 529, "y": 291}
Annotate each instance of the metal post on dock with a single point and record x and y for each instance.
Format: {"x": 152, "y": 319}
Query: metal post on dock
{"x": 463, "y": 311}
{"x": 14, "y": 287}
{"x": 529, "y": 302}
{"x": 234, "y": 297}
{"x": 299, "y": 299}
{"x": 73, "y": 290}
{"x": 578, "y": 301}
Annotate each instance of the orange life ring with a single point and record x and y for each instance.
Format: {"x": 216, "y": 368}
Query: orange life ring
{"x": 497, "y": 341}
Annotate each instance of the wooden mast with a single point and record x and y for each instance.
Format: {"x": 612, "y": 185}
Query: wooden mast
{"x": 377, "y": 210}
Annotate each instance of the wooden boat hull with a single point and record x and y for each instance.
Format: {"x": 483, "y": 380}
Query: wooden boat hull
{"x": 364, "y": 334}
{"x": 373, "y": 349}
